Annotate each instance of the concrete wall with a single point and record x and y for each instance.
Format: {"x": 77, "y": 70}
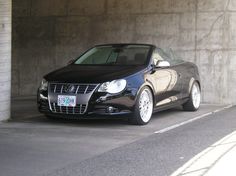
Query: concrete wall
{"x": 47, "y": 33}
{"x": 5, "y": 59}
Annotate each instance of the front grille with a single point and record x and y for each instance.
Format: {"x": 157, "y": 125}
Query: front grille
{"x": 79, "y": 109}
{"x": 77, "y": 88}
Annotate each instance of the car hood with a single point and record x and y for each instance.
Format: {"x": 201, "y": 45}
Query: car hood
{"x": 91, "y": 74}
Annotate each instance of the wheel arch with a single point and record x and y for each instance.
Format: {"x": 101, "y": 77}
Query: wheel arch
{"x": 199, "y": 84}
{"x": 192, "y": 80}
{"x": 150, "y": 86}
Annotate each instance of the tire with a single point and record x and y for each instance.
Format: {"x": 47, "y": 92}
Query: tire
{"x": 194, "y": 101}
{"x": 143, "y": 107}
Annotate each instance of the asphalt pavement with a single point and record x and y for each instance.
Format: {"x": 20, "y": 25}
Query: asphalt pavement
{"x": 36, "y": 146}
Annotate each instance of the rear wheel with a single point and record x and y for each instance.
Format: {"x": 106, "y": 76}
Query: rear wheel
{"x": 143, "y": 107}
{"x": 194, "y": 101}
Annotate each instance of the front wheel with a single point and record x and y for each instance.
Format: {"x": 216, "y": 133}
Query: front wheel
{"x": 194, "y": 101}
{"x": 143, "y": 107}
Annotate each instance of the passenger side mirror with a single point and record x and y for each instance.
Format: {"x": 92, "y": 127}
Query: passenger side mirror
{"x": 162, "y": 64}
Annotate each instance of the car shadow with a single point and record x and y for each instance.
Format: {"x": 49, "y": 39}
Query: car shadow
{"x": 120, "y": 120}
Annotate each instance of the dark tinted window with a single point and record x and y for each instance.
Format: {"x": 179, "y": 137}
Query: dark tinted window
{"x": 115, "y": 55}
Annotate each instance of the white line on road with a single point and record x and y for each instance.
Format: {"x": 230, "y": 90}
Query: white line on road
{"x": 191, "y": 120}
{"x": 216, "y": 160}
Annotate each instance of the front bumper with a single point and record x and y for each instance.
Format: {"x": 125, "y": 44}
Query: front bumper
{"x": 97, "y": 104}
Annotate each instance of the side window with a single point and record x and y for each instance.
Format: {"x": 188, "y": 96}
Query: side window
{"x": 156, "y": 57}
{"x": 170, "y": 57}
{"x": 163, "y": 54}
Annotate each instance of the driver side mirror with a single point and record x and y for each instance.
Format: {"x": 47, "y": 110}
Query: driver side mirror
{"x": 162, "y": 64}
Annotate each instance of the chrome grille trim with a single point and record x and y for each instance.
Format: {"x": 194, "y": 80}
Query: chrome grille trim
{"x": 61, "y": 88}
{"x": 76, "y": 92}
{"x": 79, "y": 88}
{"x": 79, "y": 109}
{"x": 79, "y": 91}
{"x": 86, "y": 89}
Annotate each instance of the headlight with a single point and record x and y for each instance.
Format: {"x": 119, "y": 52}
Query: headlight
{"x": 44, "y": 84}
{"x": 113, "y": 87}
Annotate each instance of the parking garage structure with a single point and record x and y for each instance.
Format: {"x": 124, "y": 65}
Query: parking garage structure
{"x": 5, "y": 59}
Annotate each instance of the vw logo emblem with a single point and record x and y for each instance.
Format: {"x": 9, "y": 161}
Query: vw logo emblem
{"x": 69, "y": 88}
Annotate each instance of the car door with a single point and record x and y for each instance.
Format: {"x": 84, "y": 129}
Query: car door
{"x": 166, "y": 80}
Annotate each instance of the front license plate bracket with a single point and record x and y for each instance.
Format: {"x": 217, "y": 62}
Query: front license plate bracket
{"x": 67, "y": 101}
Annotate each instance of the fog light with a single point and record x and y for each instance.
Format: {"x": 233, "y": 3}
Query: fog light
{"x": 111, "y": 109}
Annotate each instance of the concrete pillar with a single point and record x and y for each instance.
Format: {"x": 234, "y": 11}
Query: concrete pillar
{"x": 5, "y": 59}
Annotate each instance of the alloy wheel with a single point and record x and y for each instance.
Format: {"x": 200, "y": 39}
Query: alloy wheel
{"x": 146, "y": 105}
{"x": 196, "y": 95}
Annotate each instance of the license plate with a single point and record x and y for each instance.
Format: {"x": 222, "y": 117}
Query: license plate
{"x": 64, "y": 100}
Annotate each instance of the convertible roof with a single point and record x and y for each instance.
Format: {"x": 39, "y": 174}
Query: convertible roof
{"x": 125, "y": 44}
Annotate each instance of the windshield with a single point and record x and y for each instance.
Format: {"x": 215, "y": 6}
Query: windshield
{"x": 115, "y": 55}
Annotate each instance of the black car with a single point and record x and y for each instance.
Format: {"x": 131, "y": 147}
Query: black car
{"x": 115, "y": 79}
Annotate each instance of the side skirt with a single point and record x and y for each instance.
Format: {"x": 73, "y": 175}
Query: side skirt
{"x": 170, "y": 105}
